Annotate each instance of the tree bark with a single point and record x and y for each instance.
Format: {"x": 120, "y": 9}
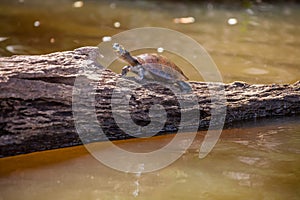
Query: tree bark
{"x": 37, "y": 92}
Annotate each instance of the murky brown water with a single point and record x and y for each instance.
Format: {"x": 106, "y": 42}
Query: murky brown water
{"x": 261, "y": 48}
{"x": 254, "y": 161}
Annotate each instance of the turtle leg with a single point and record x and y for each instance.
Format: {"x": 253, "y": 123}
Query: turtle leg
{"x": 125, "y": 70}
{"x": 141, "y": 73}
{"x": 184, "y": 86}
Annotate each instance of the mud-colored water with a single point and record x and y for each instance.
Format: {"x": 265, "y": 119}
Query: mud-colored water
{"x": 256, "y": 160}
{"x": 260, "y": 48}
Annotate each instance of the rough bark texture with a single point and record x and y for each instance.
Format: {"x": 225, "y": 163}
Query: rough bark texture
{"x": 37, "y": 91}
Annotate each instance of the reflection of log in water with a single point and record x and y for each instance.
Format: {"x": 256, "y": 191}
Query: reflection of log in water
{"x": 36, "y": 101}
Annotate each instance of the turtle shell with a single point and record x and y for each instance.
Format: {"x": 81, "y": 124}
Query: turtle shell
{"x": 161, "y": 67}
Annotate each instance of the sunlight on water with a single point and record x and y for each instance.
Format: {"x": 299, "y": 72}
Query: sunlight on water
{"x": 3, "y": 38}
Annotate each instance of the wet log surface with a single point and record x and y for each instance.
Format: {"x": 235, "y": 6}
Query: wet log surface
{"x": 37, "y": 92}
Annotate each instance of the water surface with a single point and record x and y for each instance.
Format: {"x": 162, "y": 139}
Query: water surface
{"x": 257, "y": 160}
{"x": 262, "y": 47}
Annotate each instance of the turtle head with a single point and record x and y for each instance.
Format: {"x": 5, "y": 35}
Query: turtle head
{"x": 125, "y": 70}
{"x": 124, "y": 54}
{"x": 119, "y": 49}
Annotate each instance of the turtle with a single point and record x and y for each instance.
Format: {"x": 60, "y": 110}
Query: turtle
{"x": 152, "y": 67}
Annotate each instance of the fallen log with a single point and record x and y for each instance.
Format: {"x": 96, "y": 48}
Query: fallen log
{"x": 36, "y": 102}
